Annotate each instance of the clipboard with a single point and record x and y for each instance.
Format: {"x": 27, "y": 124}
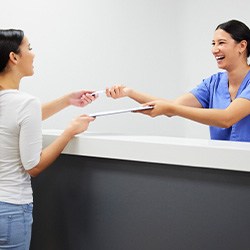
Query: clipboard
{"x": 120, "y": 111}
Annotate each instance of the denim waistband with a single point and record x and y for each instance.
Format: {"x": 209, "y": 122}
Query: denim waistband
{"x": 24, "y": 207}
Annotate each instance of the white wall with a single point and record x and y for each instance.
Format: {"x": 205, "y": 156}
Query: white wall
{"x": 157, "y": 46}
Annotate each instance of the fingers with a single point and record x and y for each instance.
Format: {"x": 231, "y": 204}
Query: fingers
{"x": 145, "y": 112}
{"x": 149, "y": 112}
{"x": 115, "y": 91}
{"x": 84, "y": 92}
{"x": 112, "y": 92}
{"x": 88, "y": 98}
{"x": 108, "y": 94}
{"x": 88, "y": 118}
{"x": 152, "y": 103}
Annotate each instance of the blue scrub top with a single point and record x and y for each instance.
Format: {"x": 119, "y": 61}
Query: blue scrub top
{"x": 213, "y": 93}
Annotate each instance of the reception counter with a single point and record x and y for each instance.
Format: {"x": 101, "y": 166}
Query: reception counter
{"x": 158, "y": 149}
{"x": 126, "y": 192}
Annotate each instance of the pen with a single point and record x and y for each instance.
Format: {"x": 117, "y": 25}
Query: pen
{"x": 99, "y": 92}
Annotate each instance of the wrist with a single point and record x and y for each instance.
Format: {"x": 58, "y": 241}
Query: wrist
{"x": 172, "y": 109}
{"x": 128, "y": 92}
{"x": 67, "y": 99}
{"x": 68, "y": 134}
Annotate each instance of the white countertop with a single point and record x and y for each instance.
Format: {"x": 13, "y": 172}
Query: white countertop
{"x": 159, "y": 149}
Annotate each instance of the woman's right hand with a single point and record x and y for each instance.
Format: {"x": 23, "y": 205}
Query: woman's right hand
{"x": 79, "y": 125}
{"x": 117, "y": 91}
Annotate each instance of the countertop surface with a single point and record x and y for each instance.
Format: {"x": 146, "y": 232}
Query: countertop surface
{"x": 158, "y": 149}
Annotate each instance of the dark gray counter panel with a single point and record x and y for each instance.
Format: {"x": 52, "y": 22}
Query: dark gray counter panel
{"x": 87, "y": 203}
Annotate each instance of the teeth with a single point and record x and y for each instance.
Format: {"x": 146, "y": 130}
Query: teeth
{"x": 219, "y": 57}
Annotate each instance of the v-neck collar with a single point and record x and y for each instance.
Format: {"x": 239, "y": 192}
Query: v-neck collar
{"x": 242, "y": 85}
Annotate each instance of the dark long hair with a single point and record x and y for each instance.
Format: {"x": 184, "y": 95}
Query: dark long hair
{"x": 238, "y": 31}
{"x": 10, "y": 40}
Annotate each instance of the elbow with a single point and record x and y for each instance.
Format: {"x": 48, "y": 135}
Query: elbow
{"x": 33, "y": 172}
{"x": 33, "y": 175}
{"x": 225, "y": 119}
{"x": 226, "y": 123}
{"x": 225, "y": 126}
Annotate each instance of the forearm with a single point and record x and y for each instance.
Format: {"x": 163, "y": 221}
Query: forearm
{"x": 224, "y": 118}
{"x": 212, "y": 117}
{"x": 50, "y": 108}
{"x": 50, "y": 153}
{"x": 140, "y": 97}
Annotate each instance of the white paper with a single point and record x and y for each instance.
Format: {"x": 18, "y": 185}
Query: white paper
{"x": 120, "y": 111}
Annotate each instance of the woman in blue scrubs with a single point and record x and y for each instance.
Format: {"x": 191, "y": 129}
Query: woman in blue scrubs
{"x": 221, "y": 101}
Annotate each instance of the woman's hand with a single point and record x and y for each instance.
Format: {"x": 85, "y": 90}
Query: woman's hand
{"x": 117, "y": 91}
{"x": 160, "y": 107}
{"x": 81, "y": 98}
{"x": 79, "y": 124}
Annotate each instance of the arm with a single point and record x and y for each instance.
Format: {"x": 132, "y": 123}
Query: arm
{"x": 224, "y": 118}
{"x": 51, "y": 152}
{"x": 188, "y": 99}
{"x": 119, "y": 91}
{"x": 79, "y": 99}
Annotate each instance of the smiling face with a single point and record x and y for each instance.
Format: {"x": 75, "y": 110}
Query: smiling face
{"x": 225, "y": 50}
{"x": 25, "y": 58}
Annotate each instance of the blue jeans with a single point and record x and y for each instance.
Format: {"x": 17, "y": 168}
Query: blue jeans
{"x": 15, "y": 226}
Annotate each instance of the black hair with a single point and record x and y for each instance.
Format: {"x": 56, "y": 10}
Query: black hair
{"x": 238, "y": 31}
{"x": 10, "y": 40}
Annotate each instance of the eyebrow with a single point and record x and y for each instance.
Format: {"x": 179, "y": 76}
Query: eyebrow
{"x": 219, "y": 40}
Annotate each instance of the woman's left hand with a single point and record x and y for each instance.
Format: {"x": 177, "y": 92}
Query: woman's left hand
{"x": 81, "y": 98}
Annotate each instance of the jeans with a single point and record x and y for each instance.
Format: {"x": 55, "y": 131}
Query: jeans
{"x": 15, "y": 226}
